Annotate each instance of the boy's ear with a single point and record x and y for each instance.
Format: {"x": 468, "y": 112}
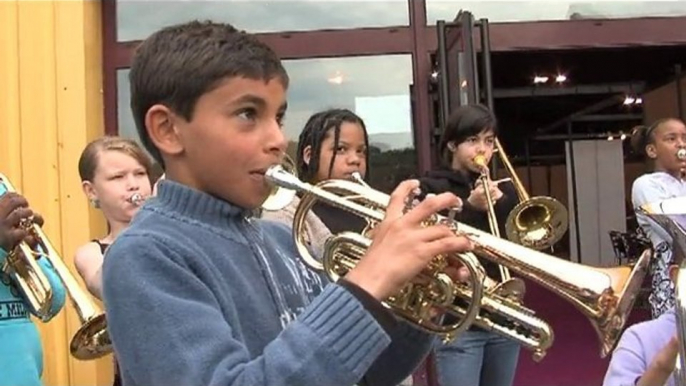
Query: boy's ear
{"x": 451, "y": 146}
{"x": 307, "y": 154}
{"x": 162, "y": 130}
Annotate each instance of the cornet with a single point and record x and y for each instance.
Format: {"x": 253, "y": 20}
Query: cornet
{"x": 280, "y": 197}
{"x": 605, "y": 296}
{"x": 91, "y": 341}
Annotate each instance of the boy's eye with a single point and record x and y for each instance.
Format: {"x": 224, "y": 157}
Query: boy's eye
{"x": 247, "y": 114}
{"x": 280, "y": 119}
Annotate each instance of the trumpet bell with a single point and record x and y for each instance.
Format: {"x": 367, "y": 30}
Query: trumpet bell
{"x": 537, "y": 223}
{"x": 92, "y": 340}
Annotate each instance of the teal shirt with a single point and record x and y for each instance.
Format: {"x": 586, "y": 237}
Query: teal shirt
{"x": 21, "y": 353}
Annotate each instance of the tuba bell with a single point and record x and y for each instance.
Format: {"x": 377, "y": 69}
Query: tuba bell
{"x": 92, "y": 340}
{"x": 604, "y": 296}
{"x": 670, "y": 214}
{"x": 536, "y": 222}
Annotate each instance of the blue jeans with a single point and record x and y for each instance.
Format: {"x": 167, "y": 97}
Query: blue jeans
{"x": 477, "y": 358}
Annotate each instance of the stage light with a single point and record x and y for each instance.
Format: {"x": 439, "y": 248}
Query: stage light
{"x": 540, "y": 79}
{"x": 561, "y": 78}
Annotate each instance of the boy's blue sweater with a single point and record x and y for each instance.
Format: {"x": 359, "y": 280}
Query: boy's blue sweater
{"x": 21, "y": 353}
{"x": 199, "y": 294}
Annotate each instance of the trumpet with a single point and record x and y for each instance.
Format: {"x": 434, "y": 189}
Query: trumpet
{"x": 536, "y": 222}
{"x": 280, "y": 197}
{"x": 604, "y": 296}
{"x": 136, "y": 199}
{"x": 91, "y": 341}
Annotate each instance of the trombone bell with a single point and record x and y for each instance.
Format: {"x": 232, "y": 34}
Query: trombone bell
{"x": 538, "y": 222}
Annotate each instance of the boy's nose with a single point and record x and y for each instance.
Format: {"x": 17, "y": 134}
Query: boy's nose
{"x": 276, "y": 140}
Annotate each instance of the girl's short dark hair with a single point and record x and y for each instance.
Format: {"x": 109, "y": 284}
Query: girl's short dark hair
{"x": 467, "y": 121}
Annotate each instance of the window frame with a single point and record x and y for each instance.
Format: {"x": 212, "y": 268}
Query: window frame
{"x": 417, "y": 39}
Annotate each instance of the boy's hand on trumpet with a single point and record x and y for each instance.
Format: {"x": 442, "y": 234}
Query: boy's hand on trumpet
{"x": 403, "y": 245}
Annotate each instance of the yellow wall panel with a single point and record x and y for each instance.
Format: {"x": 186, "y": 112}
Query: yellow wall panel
{"x": 51, "y": 77}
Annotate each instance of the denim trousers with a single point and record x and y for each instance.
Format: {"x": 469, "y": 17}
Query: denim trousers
{"x": 477, "y": 358}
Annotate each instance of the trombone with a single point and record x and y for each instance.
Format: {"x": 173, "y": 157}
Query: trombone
{"x": 480, "y": 160}
{"x": 536, "y": 222}
{"x": 92, "y": 340}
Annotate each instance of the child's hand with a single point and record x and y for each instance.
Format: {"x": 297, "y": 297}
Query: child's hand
{"x": 662, "y": 366}
{"x": 403, "y": 246}
{"x": 665, "y": 359}
{"x": 13, "y": 208}
{"x": 477, "y": 197}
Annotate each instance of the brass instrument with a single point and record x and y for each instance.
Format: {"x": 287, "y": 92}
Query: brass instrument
{"x": 480, "y": 160}
{"x": 670, "y": 214}
{"x": 91, "y": 341}
{"x": 536, "y": 222}
{"x": 280, "y": 197}
{"x": 680, "y": 311}
{"x": 604, "y": 296}
{"x": 136, "y": 199}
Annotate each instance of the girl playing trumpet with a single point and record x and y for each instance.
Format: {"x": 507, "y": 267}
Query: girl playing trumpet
{"x": 115, "y": 176}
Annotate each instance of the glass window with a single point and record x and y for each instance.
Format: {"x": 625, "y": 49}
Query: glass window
{"x": 127, "y": 127}
{"x": 136, "y": 19}
{"x": 377, "y": 88}
{"x": 514, "y": 11}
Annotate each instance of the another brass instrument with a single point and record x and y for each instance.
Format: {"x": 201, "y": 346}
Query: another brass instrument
{"x": 670, "y": 214}
{"x": 91, "y": 341}
{"x": 136, "y": 199}
{"x": 480, "y": 160}
{"x": 280, "y": 197}
{"x": 536, "y": 222}
{"x": 605, "y": 296}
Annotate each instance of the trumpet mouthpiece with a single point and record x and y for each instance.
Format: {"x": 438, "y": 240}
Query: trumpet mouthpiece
{"x": 136, "y": 199}
{"x": 681, "y": 154}
{"x": 278, "y": 176}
